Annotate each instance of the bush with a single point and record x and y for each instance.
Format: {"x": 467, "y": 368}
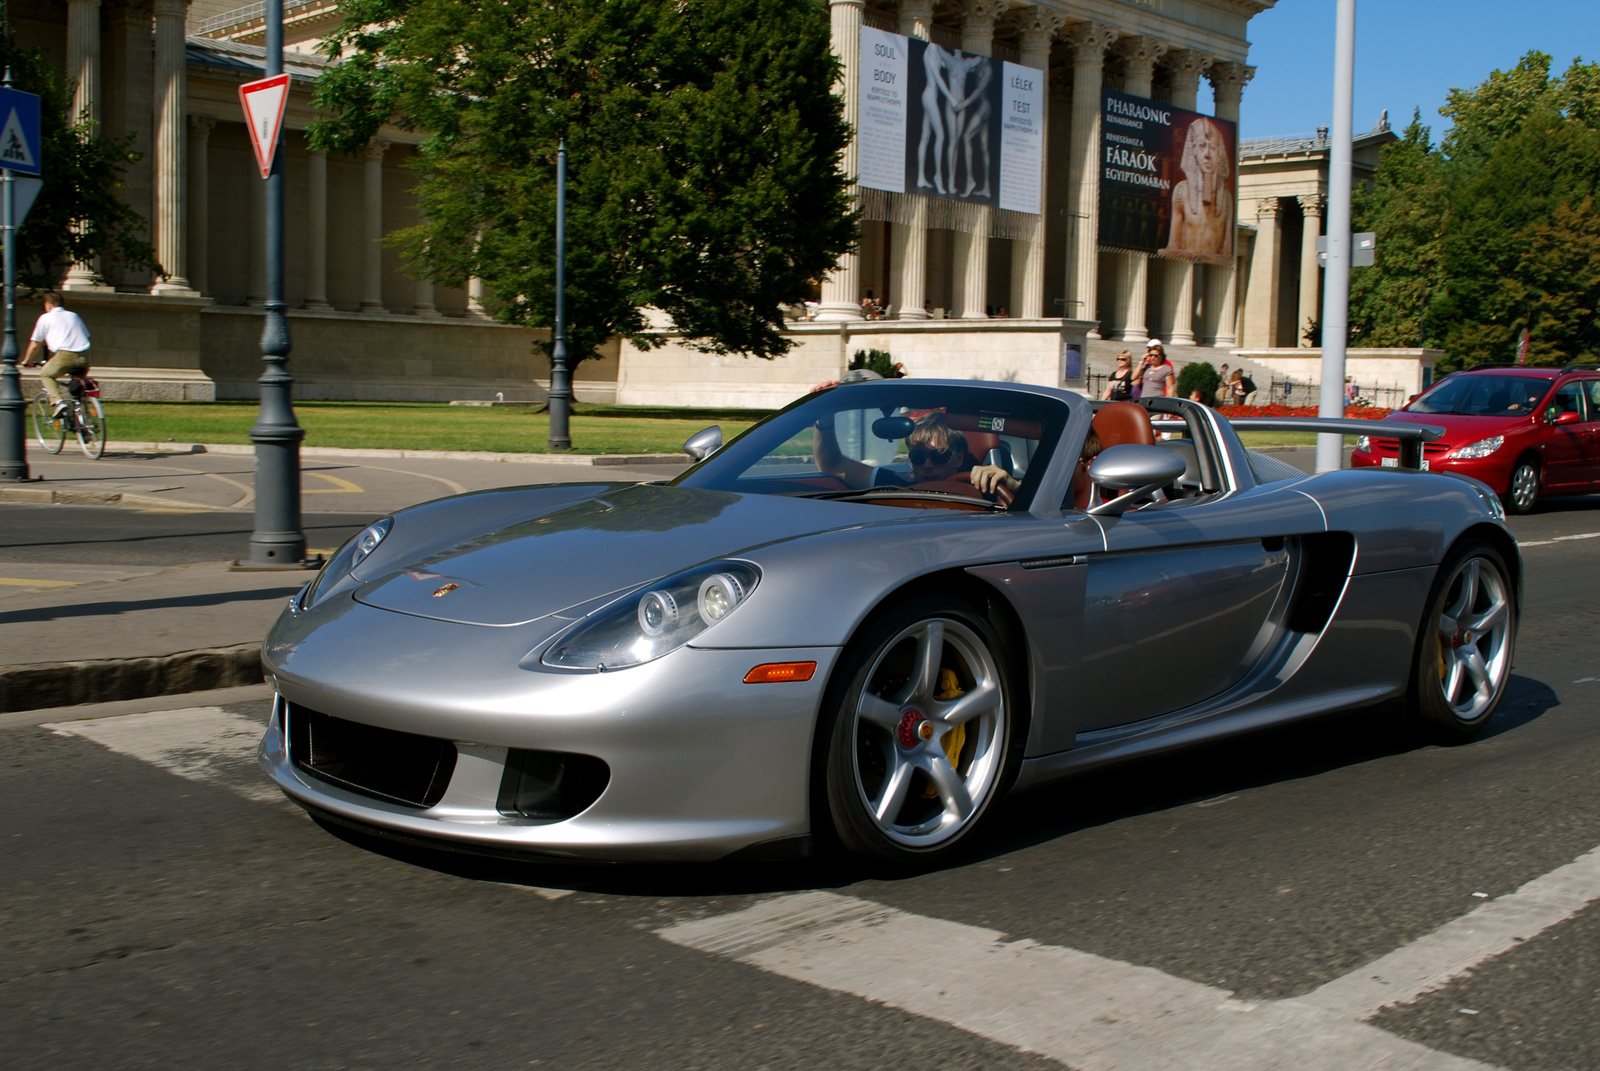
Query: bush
{"x": 1199, "y": 375}
{"x": 878, "y": 361}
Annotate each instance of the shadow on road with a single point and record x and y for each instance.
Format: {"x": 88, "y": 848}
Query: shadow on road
{"x": 1044, "y": 814}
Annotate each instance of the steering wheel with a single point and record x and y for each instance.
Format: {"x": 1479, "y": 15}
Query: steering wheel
{"x": 958, "y": 486}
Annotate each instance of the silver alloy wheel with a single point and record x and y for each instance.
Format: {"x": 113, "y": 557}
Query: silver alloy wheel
{"x": 1524, "y": 486}
{"x": 1474, "y": 657}
{"x": 912, "y": 789}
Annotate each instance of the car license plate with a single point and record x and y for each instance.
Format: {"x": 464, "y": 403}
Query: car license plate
{"x": 1394, "y": 463}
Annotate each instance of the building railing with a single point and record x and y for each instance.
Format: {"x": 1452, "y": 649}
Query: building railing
{"x": 241, "y": 17}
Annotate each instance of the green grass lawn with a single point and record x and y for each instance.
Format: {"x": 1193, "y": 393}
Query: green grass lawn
{"x": 595, "y": 429}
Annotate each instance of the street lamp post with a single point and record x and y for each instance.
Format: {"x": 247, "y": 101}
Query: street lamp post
{"x": 277, "y": 540}
{"x": 560, "y": 380}
{"x": 13, "y": 454}
{"x": 1336, "y": 279}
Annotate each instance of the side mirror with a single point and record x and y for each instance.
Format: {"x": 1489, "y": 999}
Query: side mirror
{"x": 702, "y": 444}
{"x": 1568, "y": 417}
{"x": 1136, "y": 468}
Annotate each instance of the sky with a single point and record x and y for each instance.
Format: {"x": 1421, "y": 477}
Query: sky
{"x": 1409, "y": 53}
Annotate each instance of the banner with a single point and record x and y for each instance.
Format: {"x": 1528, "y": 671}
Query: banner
{"x": 945, "y": 123}
{"x": 1167, "y": 180}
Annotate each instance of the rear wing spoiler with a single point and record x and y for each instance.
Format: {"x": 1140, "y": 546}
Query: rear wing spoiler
{"x": 1411, "y": 436}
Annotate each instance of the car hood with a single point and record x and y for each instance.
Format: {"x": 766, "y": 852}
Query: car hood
{"x": 1459, "y": 429}
{"x": 584, "y": 551}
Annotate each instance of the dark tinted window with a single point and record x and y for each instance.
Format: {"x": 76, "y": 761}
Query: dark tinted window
{"x": 1483, "y": 395}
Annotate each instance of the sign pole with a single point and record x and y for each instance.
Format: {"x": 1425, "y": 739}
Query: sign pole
{"x": 13, "y": 407}
{"x": 560, "y": 381}
{"x": 277, "y": 540}
{"x": 1336, "y": 280}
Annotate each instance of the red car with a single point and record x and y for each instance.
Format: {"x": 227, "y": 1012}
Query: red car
{"x": 1526, "y": 432}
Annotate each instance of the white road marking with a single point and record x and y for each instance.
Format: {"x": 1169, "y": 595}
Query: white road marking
{"x": 548, "y": 894}
{"x": 1090, "y": 1012}
{"x": 1557, "y": 539}
{"x": 1452, "y": 950}
{"x": 198, "y": 743}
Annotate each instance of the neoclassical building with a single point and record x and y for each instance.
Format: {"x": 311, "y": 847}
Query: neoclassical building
{"x": 943, "y": 277}
{"x": 168, "y": 72}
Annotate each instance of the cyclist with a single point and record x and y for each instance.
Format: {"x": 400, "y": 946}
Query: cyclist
{"x": 63, "y": 333}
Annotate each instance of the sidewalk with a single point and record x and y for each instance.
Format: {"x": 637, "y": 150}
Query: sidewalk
{"x": 79, "y": 634}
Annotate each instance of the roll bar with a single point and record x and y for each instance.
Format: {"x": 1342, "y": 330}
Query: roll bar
{"x": 1411, "y": 436}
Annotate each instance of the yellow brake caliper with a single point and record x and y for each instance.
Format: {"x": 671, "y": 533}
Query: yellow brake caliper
{"x": 949, "y": 688}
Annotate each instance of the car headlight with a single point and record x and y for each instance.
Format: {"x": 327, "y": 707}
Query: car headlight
{"x": 1481, "y": 448}
{"x": 656, "y": 619}
{"x": 1363, "y": 444}
{"x": 345, "y": 559}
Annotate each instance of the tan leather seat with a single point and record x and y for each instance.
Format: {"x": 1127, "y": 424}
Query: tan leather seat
{"x": 1120, "y": 423}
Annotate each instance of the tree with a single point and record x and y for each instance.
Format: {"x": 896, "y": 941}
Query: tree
{"x": 78, "y": 214}
{"x": 704, "y": 143}
{"x": 1199, "y": 376}
{"x": 1493, "y": 231}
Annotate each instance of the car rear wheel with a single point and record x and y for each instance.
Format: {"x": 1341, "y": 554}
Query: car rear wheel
{"x": 918, "y": 743}
{"x": 1524, "y": 487}
{"x": 1467, "y": 638}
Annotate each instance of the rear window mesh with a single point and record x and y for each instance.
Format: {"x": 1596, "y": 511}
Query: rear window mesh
{"x": 1268, "y": 469}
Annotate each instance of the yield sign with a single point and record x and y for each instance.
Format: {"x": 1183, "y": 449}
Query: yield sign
{"x": 263, "y": 114}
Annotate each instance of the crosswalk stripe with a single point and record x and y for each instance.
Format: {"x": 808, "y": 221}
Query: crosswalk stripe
{"x": 199, "y": 743}
{"x": 1087, "y": 1011}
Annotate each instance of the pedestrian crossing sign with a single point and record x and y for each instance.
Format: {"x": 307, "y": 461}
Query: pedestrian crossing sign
{"x": 19, "y": 136}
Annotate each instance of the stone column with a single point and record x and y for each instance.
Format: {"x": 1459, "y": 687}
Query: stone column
{"x": 172, "y": 148}
{"x": 256, "y": 276}
{"x": 1312, "y": 206}
{"x": 372, "y": 230}
{"x": 1038, "y": 29}
{"x": 1139, "y": 57}
{"x": 1222, "y": 284}
{"x": 317, "y": 231}
{"x": 83, "y": 65}
{"x": 1088, "y": 41}
{"x": 908, "y": 234}
{"x": 969, "y": 252}
{"x": 841, "y": 290}
{"x": 1177, "y": 276}
{"x": 475, "y": 298}
{"x": 199, "y": 200}
{"x": 1261, "y": 300}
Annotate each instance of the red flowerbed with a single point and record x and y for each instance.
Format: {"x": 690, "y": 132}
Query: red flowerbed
{"x": 1356, "y": 412}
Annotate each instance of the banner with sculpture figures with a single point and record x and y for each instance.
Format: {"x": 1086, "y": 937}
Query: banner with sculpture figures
{"x": 1167, "y": 181}
{"x": 944, "y": 123}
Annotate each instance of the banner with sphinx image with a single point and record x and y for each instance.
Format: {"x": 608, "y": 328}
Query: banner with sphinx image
{"x": 949, "y": 124}
{"x": 1167, "y": 180}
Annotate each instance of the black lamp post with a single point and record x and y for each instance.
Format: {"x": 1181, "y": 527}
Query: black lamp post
{"x": 13, "y": 454}
{"x": 560, "y": 380}
{"x": 277, "y": 539}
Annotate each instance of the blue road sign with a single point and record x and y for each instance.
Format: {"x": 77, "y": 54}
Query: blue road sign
{"x": 20, "y": 149}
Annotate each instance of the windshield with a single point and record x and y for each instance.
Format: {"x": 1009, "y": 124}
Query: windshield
{"x": 1501, "y": 396}
{"x": 895, "y": 443}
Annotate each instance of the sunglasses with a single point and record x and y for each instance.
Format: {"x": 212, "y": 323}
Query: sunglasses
{"x": 919, "y": 456}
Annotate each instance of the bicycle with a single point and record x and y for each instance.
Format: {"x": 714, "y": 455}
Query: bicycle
{"x": 82, "y": 417}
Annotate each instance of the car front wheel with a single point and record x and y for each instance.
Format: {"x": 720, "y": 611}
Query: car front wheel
{"x": 918, "y": 744}
{"x": 1466, "y": 643}
{"x": 1524, "y": 487}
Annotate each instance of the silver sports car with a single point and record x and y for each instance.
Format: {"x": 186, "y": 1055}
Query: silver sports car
{"x": 867, "y": 618}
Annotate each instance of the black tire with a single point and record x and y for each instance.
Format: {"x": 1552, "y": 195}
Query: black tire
{"x": 91, "y": 428}
{"x": 1456, "y": 689}
{"x": 884, "y": 736}
{"x": 1522, "y": 492}
{"x": 50, "y": 432}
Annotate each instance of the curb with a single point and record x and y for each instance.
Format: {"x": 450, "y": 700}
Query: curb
{"x": 103, "y": 680}
{"x": 44, "y": 496}
{"x": 240, "y": 449}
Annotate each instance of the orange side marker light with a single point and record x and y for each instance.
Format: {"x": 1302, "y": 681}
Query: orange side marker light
{"x": 778, "y": 672}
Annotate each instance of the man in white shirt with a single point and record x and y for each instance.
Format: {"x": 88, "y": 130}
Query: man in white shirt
{"x": 63, "y": 333}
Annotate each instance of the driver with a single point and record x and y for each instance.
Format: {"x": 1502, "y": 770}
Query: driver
{"x": 937, "y": 452}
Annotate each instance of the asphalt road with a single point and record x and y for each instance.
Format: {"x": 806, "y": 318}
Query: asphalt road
{"x": 160, "y": 911}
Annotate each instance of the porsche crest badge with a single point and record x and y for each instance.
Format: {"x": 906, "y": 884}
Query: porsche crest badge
{"x": 445, "y": 589}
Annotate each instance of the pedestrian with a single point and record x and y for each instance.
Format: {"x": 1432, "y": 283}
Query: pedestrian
{"x": 1222, "y": 385}
{"x": 1158, "y": 376}
{"x": 1119, "y": 388}
{"x": 62, "y": 332}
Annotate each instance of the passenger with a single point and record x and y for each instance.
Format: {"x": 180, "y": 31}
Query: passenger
{"x": 936, "y": 451}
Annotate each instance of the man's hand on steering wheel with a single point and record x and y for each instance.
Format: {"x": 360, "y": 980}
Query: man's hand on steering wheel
{"x": 996, "y": 481}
